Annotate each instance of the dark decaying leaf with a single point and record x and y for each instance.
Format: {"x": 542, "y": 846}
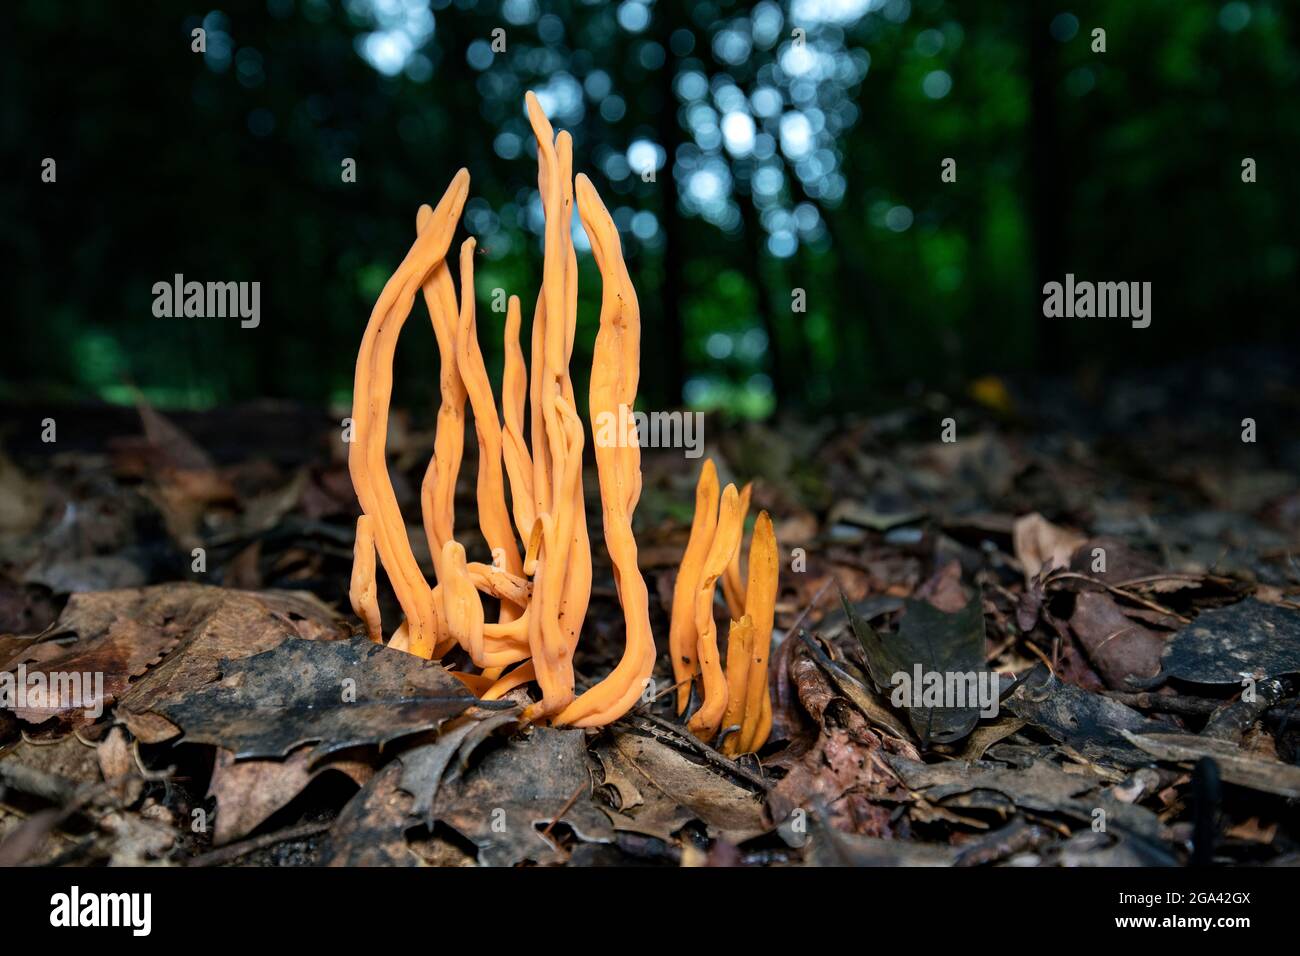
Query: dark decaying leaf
{"x": 817, "y": 678}
{"x": 1041, "y": 786}
{"x": 941, "y": 644}
{"x": 371, "y": 829}
{"x": 1246, "y": 639}
{"x": 505, "y": 803}
{"x": 424, "y": 767}
{"x": 213, "y": 624}
{"x": 1235, "y": 764}
{"x": 335, "y": 694}
{"x": 1232, "y": 720}
{"x": 1089, "y": 723}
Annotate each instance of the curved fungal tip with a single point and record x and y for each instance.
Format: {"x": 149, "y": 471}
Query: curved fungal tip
{"x": 460, "y": 188}
{"x": 588, "y": 197}
{"x": 453, "y": 200}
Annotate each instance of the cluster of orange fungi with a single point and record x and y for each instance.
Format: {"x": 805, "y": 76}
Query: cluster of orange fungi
{"x": 736, "y": 699}
{"x": 543, "y": 591}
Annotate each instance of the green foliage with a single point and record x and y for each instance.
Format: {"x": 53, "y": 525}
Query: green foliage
{"x": 226, "y": 166}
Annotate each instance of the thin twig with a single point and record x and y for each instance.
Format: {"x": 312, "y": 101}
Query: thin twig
{"x": 1042, "y": 657}
{"x": 1166, "y": 703}
{"x": 36, "y": 782}
{"x": 568, "y": 805}
{"x": 154, "y": 776}
{"x": 821, "y": 592}
{"x": 707, "y": 752}
{"x": 1114, "y": 589}
{"x": 668, "y": 690}
{"x": 234, "y": 851}
{"x": 38, "y": 742}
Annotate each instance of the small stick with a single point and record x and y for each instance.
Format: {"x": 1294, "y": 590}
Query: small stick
{"x": 821, "y": 592}
{"x": 1041, "y": 656}
{"x": 781, "y": 660}
{"x": 568, "y": 805}
{"x": 666, "y": 691}
{"x": 707, "y": 752}
{"x": 1114, "y": 589}
{"x": 227, "y": 854}
{"x": 1166, "y": 703}
{"x": 36, "y": 783}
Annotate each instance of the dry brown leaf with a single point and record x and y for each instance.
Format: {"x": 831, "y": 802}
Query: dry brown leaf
{"x": 1040, "y": 544}
{"x": 249, "y": 791}
{"x": 675, "y": 789}
{"x": 217, "y": 624}
{"x": 114, "y": 753}
{"x": 1118, "y": 646}
{"x": 107, "y": 638}
{"x": 22, "y": 499}
{"x": 850, "y": 777}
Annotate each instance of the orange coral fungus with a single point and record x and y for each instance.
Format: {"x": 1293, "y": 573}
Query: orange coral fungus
{"x": 704, "y": 722}
{"x": 362, "y": 592}
{"x": 734, "y": 699}
{"x": 733, "y": 588}
{"x": 760, "y": 607}
{"x": 681, "y": 627}
{"x": 614, "y": 374}
{"x": 740, "y": 643}
{"x": 372, "y": 391}
{"x": 543, "y": 591}
{"x": 493, "y": 517}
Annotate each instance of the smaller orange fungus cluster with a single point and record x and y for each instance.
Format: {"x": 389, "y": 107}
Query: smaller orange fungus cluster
{"x": 734, "y": 700}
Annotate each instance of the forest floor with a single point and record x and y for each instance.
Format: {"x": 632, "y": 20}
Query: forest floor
{"x": 1132, "y": 557}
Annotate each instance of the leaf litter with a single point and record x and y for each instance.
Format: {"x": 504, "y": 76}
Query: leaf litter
{"x": 1135, "y": 638}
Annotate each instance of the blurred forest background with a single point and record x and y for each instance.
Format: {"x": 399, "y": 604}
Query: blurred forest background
{"x": 793, "y": 144}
